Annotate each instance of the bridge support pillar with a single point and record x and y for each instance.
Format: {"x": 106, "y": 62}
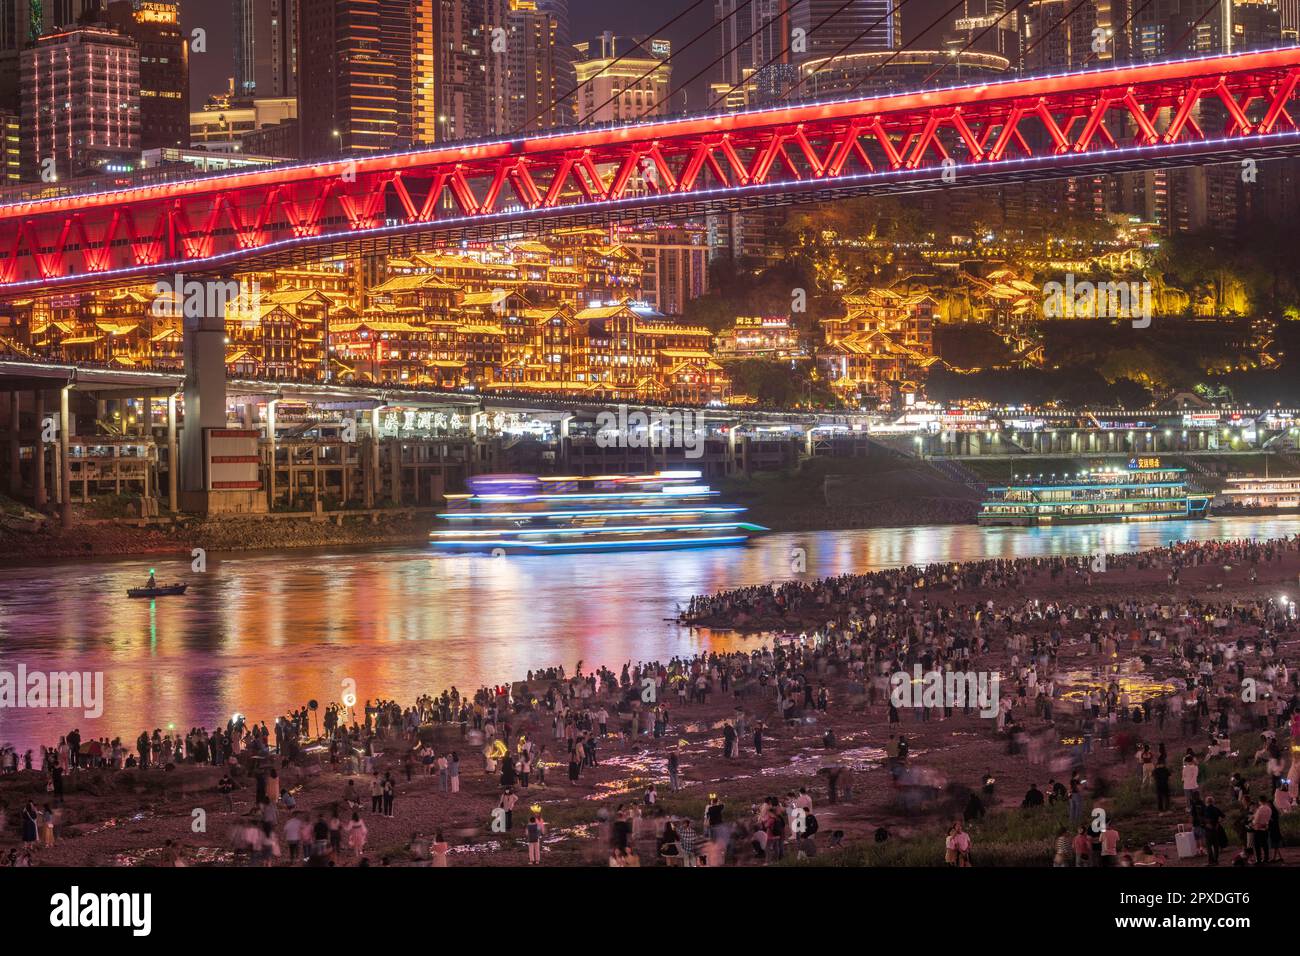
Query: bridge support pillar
{"x": 15, "y": 445}
{"x": 173, "y": 456}
{"x": 566, "y": 440}
{"x": 39, "y": 496}
{"x": 371, "y": 464}
{"x": 205, "y": 408}
{"x": 270, "y": 444}
{"x": 65, "y": 465}
{"x": 395, "y": 470}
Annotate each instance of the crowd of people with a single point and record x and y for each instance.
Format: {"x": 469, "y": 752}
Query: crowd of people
{"x": 1223, "y": 663}
{"x": 828, "y": 600}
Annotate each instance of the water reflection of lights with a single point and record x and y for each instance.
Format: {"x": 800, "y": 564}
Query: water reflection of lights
{"x": 271, "y": 628}
{"x": 1079, "y": 684}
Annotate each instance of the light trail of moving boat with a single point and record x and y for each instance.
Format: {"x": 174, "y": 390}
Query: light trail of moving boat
{"x": 528, "y": 527}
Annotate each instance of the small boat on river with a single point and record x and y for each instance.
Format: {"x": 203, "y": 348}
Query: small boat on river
{"x": 158, "y": 590}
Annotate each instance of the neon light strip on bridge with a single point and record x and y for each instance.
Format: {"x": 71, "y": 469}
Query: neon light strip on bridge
{"x": 1061, "y": 125}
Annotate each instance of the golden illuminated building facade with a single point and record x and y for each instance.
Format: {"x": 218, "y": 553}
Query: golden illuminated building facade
{"x": 553, "y": 315}
{"x": 761, "y": 337}
{"x": 882, "y": 344}
{"x": 622, "y": 78}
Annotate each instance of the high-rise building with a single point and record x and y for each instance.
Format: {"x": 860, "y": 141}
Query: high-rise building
{"x": 749, "y": 35}
{"x": 424, "y": 86}
{"x": 266, "y": 47}
{"x": 21, "y": 22}
{"x": 531, "y": 75}
{"x": 1213, "y": 198}
{"x": 498, "y": 68}
{"x": 354, "y": 76}
{"x": 1256, "y": 24}
{"x": 495, "y": 67}
{"x": 11, "y": 154}
{"x": 396, "y": 45}
{"x": 1166, "y": 28}
{"x": 985, "y": 26}
{"x": 675, "y": 268}
{"x": 866, "y": 26}
{"x": 1047, "y": 36}
{"x": 80, "y": 92}
{"x": 60, "y": 14}
{"x": 1289, "y": 17}
{"x": 154, "y": 25}
{"x": 621, "y": 78}
{"x": 1060, "y": 35}
{"x": 566, "y": 77}
{"x": 458, "y": 69}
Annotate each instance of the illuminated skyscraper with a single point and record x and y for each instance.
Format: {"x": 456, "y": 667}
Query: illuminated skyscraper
{"x": 458, "y": 69}
{"x": 80, "y": 102}
{"x": 565, "y": 56}
{"x": 531, "y": 87}
{"x": 164, "y": 68}
{"x": 424, "y": 85}
{"x": 985, "y": 26}
{"x": 266, "y": 48}
{"x": 866, "y": 26}
{"x": 622, "y": 78}
{"x": 354, "y": 76}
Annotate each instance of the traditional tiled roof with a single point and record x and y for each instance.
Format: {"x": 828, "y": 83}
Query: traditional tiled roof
{"x": 377, "y": 325}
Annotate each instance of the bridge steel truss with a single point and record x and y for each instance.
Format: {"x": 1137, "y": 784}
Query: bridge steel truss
{"x": 1183, "y": 112}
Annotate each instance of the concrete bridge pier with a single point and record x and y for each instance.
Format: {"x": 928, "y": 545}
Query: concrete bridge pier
{"x": 65, "y": 465}
{"x": 270, "y": 444}
{"x": 15, "y": 444}
{"x": 204, "y": 347}
{"x": 173, "y": 453}
{"x": 39, "y": 496}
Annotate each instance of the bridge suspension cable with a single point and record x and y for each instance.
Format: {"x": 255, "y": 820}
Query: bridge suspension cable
{"x": 1190, "y": 30}
{"x": 666, "y": 25}
{"x": 695, "y": 39}
{"x": 899, "y": 52}
{"x": 720, "y": 57}
{"x": 973, "y": 40}
{"x": 1123, "y": 27}
{"x": 721, "y": 98}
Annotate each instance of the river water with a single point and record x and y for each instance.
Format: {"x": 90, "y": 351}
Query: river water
{"x": 260, "y": 633}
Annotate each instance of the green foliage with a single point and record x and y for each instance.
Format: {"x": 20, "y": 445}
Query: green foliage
{"x": 783, "y": 383}
{"x": 1036, "y": 386}
{"x": 735, "y": 291}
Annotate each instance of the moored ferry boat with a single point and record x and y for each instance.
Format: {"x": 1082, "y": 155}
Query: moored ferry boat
{"x": 525, "y": 514}
{"x": 1260, "y": 495}
{"x": 1144, "y": 491}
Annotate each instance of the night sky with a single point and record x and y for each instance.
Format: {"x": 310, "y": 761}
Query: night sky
{"x": 210, "y": 71}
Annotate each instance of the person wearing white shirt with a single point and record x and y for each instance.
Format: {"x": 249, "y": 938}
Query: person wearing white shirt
{"x": 1191, "y": 779}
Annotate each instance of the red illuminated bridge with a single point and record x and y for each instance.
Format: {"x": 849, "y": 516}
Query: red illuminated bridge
{"x": 1193, "y": 111}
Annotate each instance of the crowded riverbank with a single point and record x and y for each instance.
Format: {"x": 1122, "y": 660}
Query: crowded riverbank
{"x": 732, "y": 753}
